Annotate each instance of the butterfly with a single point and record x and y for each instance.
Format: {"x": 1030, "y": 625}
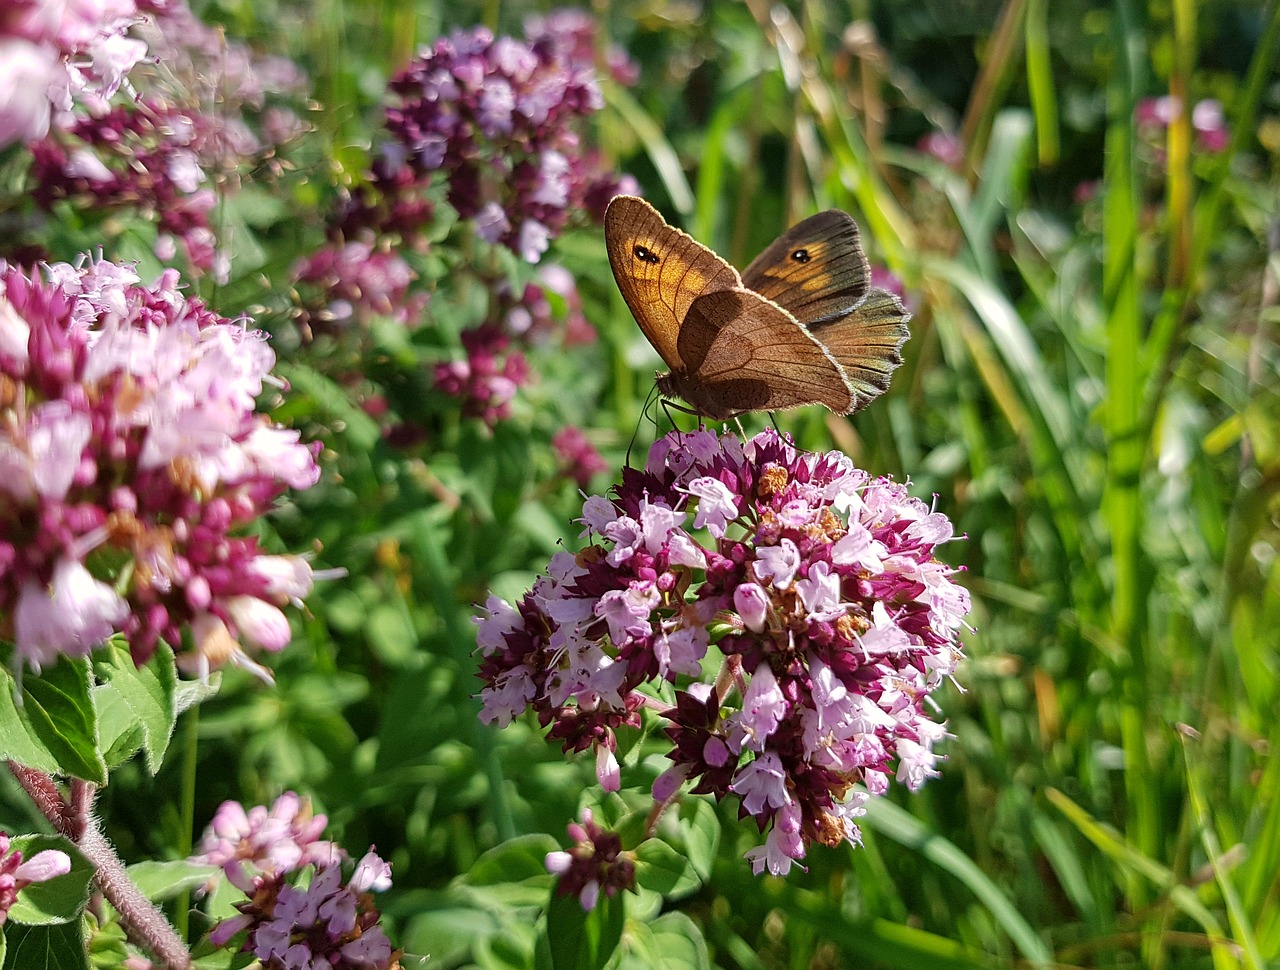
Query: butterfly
{"x": 801, "y": 325}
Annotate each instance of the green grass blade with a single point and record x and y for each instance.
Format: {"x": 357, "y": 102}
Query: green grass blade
{"x": 895, "y": 823}
{"x": 1183, "y": 897}
{"x": 1040, "y": 86}
{"x": 656, "y": 145}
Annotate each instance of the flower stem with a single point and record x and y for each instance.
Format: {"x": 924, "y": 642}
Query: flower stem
{"x": 73, "y": 818}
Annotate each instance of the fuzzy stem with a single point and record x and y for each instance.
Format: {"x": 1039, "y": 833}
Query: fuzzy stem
{"x": 143, "y": 923}
{"x": 72, "y": 818}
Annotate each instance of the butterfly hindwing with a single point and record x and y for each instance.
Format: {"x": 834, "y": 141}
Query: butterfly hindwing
{"x": 660, "y": 270}
{"x": 868, "y": 343}
{"x": 745, "y": 353}
{"x": 816, "y": 270}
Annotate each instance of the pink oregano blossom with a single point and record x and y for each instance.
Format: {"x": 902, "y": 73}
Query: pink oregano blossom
{"x": 595, "y": 863}
{"x": 54, "y": 54}
{"x": 131, "y": 457}
{"x": 16, "y": 874}
{"x": 299, "y": 913}
{"x": 820, "y": 588}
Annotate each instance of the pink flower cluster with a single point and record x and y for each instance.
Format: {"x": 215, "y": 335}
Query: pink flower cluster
{"x": 16, "y": 875}
{"x": 496, "y": 367}
{"x": 130, "y": 456}
{"x": 1154, "y": 115}
{"x": 532, "y": 318}
{"x": 144, "y": 155}
{"x": 326, "y": 923}
{"x": 579, "y": 459}
{"x": 571, "y": 34}
{"x": 595, "y": 862}
{"x": 350, "y": 283}
{"x": 265, "y": 841}
{"x": 54, "y": 52}
{"x": 818, "y": 585}
{"x": 234, "y": 85}
{"x": 186, "y": 129}
{"x": 496, "y": 117}
{"x": 944, "y": 146}
{"x": 487, "y": 381}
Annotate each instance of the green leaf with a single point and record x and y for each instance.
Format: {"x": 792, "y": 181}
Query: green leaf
{"x": 579, "y": 939}
{"x": 58, "y": 900}
{"x": 135, "y": 701}
{"x": 59, "y": 947}
{"x": 164, "y": 880}
{"x": 701, "y": 831}
{"x": 662, "y": 869}
{"x": 449, "y": 933}
{"x": 671, "y": 942}
{"x": 189, "y": 693}
{"x": 520, "y": 858}
{"x": 360, "y": 430}
{"x": 52, "y": 726}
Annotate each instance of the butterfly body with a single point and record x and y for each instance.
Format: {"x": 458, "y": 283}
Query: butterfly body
{"x": 790, "y": 331}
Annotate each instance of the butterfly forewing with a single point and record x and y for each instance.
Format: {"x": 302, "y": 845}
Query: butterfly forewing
{"x": 660, "y": 271}
{"x": 745, "y": 353}
{"x": 867, "y": 342}
{"x": 816, "y": 270}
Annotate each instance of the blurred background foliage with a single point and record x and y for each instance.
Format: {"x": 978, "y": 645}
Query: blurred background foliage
{"x": 1090, "y": 391}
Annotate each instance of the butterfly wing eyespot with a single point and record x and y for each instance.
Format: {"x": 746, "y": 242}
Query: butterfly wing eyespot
{"x": 815, "y": 270}
{"x": 660, "y": 271}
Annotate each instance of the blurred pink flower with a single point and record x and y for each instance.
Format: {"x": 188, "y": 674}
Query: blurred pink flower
{"x": 944, "y": 146}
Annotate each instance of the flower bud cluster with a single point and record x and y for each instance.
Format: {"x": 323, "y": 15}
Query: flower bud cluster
{"x": 596, "y": 862}
{"x": 344, "y": 284}
{"x": 487, "y": 381}
{"x": 497, "y": 116}
{"x": 288, "y": 922}
{"x": 131, "y": 459}
{"x": 820, "y": 589}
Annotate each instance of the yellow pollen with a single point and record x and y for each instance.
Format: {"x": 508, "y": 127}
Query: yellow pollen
{"x": 772, "y": 480}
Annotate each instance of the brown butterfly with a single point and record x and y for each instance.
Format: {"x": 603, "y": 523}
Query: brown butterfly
{"x": 800, "y": 326}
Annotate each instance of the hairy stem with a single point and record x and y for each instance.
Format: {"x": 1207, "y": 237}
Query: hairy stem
{"x": 143, "y": 923}
{"x": 73, "y": 818}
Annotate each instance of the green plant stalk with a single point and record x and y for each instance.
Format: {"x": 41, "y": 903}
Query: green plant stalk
{"x": 1171, "y": 320}
{"x": 1040, "y": 86}
{"x": 1178, "y": 197}
{"x": 1122, "y": 506}
{"x": 1141, "y": 866}
{"x": 1241, "y": 929}
{"x": 999, "y": 65}
{"x": 187, "y": 811}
